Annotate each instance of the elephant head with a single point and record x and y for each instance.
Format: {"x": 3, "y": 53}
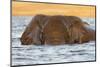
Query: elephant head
{"x": 56, "y": 30}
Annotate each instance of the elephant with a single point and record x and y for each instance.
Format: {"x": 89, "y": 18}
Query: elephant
{"x": 56, "y": 30}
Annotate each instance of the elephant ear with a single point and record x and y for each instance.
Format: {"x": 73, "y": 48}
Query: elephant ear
{"x": 32, "y": 31}
{"x": 75, "y": 27}
{"x": 70, "y": 21}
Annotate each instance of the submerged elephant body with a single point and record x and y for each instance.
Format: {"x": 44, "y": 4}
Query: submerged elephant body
{"x": 56, "y": 30}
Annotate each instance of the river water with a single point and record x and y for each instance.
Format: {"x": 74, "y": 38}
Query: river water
{"x": 32, "y": 54}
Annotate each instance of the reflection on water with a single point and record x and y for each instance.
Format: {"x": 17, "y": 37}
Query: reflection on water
{"x": 23, "y": 55}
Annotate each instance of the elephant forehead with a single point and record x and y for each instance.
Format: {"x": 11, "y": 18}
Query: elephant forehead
{"x": 58, "y": 34}
{"x": 54, "y": 26}
{"x": 53, "y": 35}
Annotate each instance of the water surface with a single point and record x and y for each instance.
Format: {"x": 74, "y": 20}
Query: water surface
{"x": 25, "y": 55}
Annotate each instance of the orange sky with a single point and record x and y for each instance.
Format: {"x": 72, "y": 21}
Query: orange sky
{"x": 29, "y": 9}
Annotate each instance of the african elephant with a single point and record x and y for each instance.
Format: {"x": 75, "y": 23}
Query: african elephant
{"x": 56, "y": 30}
